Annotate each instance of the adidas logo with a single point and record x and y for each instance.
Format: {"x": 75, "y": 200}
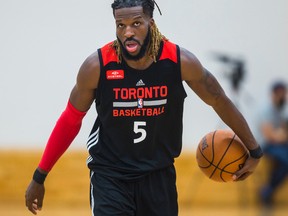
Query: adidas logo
{"x": 140, "y": 83}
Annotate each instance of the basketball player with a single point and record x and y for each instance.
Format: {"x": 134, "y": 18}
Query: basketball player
{"x": 136, "y": 82}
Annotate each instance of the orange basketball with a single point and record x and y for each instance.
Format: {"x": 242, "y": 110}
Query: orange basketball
{"x": 220, "y": 154}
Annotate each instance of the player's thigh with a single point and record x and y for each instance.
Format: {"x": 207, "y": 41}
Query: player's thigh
{"x": 157, "y": 194}
{"x": 111, "y": 197}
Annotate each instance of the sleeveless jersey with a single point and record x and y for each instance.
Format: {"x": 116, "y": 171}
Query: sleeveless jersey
{"x": 139, "y": 124}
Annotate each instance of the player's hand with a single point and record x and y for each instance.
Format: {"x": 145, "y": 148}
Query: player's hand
{"x": 34, "y": 196}
{"x": 247, "y": 169}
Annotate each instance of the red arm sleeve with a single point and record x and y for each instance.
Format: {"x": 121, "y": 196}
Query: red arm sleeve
{"x": 64, "y": 132}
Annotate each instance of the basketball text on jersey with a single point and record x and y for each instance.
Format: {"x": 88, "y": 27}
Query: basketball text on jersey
{"x": 140, "y": 101}
{"x": 130, "y": 136}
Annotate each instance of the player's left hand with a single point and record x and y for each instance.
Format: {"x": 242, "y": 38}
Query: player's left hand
{"x": 34, "y": 196}
{"x": 247, "y": 169}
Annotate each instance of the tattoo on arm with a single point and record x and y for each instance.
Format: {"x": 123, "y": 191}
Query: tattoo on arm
{"x": 211, "y": 84}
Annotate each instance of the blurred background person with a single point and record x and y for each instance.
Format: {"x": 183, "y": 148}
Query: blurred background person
{"x": 274, "y": 135}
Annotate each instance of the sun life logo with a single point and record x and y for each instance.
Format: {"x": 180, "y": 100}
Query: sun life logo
{"x": 115, "y": 74}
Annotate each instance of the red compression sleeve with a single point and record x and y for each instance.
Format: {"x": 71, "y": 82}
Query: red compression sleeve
{"x": 64, "y": 132}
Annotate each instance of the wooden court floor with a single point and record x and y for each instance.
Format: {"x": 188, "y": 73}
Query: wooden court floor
{"x": 67, "y": 188}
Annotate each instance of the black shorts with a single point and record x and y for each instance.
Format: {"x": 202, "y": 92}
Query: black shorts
{"x": 152, "y": 195}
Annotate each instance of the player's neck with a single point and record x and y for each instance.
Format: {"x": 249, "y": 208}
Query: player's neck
{"x": 140, "y": 64}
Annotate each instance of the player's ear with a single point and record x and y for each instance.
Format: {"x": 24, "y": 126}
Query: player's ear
{"x": 152, "y": 22}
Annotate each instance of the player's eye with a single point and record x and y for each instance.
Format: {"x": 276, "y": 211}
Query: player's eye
{"x": 120, "y": 25}
{"x": 136, "y": 24}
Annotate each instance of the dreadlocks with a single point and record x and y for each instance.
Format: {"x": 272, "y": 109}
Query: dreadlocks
{"x": 155, "y": 37}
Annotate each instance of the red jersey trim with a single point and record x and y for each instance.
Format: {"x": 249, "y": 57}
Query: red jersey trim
{"x": 169, "y": 51}
{"x": 108, "y": 54}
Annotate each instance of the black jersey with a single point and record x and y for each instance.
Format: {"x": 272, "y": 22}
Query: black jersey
{"x": 139, "y": 124}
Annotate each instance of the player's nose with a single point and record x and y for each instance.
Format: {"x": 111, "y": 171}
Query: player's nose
{"x": 129, "y": 33}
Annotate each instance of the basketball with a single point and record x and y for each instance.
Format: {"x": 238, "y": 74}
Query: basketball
{"x": 220, "y": 154}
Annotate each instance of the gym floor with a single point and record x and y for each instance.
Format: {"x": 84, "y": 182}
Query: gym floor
{"x": 67, "y": 193}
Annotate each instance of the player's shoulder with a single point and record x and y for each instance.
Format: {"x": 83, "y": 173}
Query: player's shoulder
{"x": 169, "y": 50}
{"x": 108, "y": 47}
{"x": 91, "y": 62}
{"x": 89, "y": 71}
{"x": 188, "y": 57}
{"x": 108, "y": 54}
{"x": 191, "y": 67}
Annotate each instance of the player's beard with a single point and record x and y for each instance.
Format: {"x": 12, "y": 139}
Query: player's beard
{"x": 142, "y": 51}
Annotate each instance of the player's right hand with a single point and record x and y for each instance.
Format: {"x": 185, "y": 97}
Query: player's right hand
{"x": 34, "y": 197}
{"x": 247, "y": 169}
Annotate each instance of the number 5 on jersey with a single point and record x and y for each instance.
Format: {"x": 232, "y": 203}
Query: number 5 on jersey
{"x": 138, "y": 129}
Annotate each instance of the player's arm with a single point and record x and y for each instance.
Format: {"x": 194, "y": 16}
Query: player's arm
{"x": 82, "y": 95}
{"x": 65, "y": 130}
{"x": 204, "y": 84}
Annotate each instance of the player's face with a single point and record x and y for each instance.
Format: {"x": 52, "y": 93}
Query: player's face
{"x": 133, "y": 31}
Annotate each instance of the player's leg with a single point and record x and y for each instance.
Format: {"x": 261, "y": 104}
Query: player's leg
{"x": 110, "y": 196}
{"x": 156, "y": 194}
